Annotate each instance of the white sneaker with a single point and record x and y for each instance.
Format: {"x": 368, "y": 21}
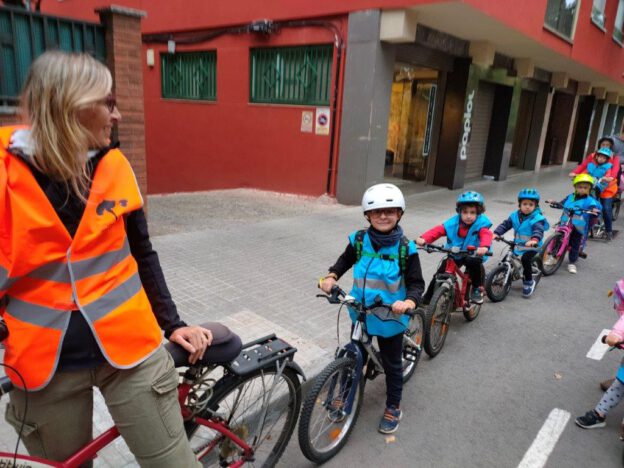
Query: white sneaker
{"x": 572, "y": 268}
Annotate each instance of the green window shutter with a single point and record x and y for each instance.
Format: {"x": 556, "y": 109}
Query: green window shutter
{"x": 189, "y": 75}
{"x": 291, "y": 75}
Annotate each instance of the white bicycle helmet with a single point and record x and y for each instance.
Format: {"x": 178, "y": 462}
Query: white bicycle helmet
{"x": 383, "y": 196}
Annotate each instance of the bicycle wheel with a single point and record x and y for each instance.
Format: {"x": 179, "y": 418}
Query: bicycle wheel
{"x": 240, "y": 403}
{"x": 411, "y": 354}
{"x": 438, "y": 318}
{"x": 550, "y": 260}
{"x": 324, "y": 428}
{"x": 497, "y": 284}
{"x": 616, "y": 208}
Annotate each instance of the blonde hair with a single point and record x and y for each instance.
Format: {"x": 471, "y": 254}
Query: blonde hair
{"x": 58, "y": 86}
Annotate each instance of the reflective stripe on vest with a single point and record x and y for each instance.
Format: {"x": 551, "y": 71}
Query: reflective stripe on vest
{"x": 579, "y": 220}
{"x": 451, "y": 227}
{"x": 94, "y": 272}
{"x": 524, "y": 230}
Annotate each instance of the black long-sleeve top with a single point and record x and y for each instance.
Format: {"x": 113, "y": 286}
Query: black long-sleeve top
{"x": 80, "y": 349}
{"x": 414, "y": 282}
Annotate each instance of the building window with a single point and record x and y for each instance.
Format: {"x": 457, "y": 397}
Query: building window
{"x": 561, "y": 17}
{"x": 598, "y": 13}
{"x": 189, "y": 75}
{"x": 291, "y": 75}
{"x": 618, "y": 28}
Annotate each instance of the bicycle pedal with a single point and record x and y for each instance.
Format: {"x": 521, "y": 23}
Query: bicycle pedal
{"x": 371, "y": 373}
{"x": 582, "y": 255}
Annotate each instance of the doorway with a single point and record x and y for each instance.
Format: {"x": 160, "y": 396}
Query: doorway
{"x": 412, "y": 103}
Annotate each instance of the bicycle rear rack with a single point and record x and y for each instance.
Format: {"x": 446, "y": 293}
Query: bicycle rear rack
{"x": 260, "y": 353}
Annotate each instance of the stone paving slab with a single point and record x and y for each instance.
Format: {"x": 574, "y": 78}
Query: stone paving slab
{"x": 259, "y": 276}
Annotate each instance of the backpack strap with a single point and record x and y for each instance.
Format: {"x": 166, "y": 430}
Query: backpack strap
{"x": 403, "y": 254}
{"x": 359, "y": 243}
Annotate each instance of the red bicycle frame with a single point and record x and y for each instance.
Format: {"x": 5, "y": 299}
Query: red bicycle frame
{"x": 459, "y": 301}
{"x": 89, "y": 451}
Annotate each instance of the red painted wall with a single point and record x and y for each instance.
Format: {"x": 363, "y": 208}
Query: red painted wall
{"x": 232, "y": 143}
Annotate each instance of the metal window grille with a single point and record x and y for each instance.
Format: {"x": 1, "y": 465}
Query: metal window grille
{"x": 24, "y": 35}
{"x": 291, "y": 75}
{"x": 189, "y": 75}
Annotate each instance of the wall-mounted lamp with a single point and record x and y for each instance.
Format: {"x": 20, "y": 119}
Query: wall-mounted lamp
{"x": 150, "y": 57}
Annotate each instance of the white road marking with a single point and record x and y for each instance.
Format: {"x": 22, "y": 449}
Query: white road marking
{"x": 599, "y": 349}
{"x": 547, "y": 437}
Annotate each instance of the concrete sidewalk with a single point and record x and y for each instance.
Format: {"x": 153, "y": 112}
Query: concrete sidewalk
{"x": 258, "y": 272}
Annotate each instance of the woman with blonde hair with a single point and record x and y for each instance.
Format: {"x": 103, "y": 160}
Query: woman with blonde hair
{"x": 82, "y": 291}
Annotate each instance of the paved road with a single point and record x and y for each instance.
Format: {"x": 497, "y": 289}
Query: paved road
{"x": 481, "y": 402}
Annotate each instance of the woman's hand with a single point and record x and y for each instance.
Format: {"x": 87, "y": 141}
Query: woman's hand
{"x": 400, "y": 307}
{"x": 420, "y": 241}
{"x": 194, "y": 339}
{"x": 613, "y": 339}
{"x": 572, "y": 174}
{"x": 481, "y": 251}
{"x": 327, "y": 284}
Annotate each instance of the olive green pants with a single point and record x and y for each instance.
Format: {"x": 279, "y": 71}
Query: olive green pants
{"x": 142, "y": 401}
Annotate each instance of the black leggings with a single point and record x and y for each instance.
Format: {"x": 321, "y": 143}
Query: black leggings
{"x": 527, "y": 264}
{"x": 474, "y": 268}
{"x": 391, "y": 350}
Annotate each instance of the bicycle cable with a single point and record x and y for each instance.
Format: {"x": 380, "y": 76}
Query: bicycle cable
{"x": 21, "y": 431}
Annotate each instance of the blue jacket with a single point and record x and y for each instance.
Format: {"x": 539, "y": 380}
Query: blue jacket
{"x": 451, "y": 226}
{"x": 598, "y": 172}
{"x": 580, "y": 221}
{"x": 376, "y": 276}
{"x": 525, "y": 229}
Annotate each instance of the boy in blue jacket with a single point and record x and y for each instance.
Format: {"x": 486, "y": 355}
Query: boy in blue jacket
{"x": 580, "y": 199}
{"x": 529, "y": 225}
{"x": 386, "y": 265}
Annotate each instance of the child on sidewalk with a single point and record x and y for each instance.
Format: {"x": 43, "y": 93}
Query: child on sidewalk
{"x": 386, "y": 265}
{"x": 468, "y": 228}
{"x": 580, "y": 199}
{"x": 529, "y": 225}
{"x": 596, "y": 418}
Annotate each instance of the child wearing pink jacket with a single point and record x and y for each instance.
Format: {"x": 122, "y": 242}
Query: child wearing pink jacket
{"x": 615, "y": 393}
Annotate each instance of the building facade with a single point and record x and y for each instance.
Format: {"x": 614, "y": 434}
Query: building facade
{"x": 334, "y": 95}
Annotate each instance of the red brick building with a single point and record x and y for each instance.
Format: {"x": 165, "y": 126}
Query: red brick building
{"x": 333, "y": 95}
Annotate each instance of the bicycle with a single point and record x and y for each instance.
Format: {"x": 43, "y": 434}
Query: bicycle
{"x": 509, "y": 269}
{"x": 332, "y": 406}
{"x": 247, "y": 415}
{"x": 557, "y": 244}
{"x": 451, "y": 293}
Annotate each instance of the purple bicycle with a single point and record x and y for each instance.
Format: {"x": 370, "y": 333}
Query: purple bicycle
{"x": 556, "y": 246}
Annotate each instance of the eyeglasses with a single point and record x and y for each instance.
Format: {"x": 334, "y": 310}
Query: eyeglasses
{"x": 110, "y": 102}
{"x": 384, "y": 211}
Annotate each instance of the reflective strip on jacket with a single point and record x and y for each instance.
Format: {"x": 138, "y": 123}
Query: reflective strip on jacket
{"x": 451, "y": 227}
{"x": 524, "y": 230}
{"x": 579, "y": 220}
{"x": 45, "y": 274}
{"x": 379, "y": 274}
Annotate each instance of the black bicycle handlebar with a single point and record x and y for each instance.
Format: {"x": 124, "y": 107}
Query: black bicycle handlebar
{"x": 337, "y": 295}
{"x": 429, "y": 248}
{"x": 559, "y": 206}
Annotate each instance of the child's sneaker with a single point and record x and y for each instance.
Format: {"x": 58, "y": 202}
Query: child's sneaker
{"x": 591, "y": 420}
{"x": 572, "y": 268}
{"x": 527, "y": 288}
{"x": 390, "y": 420}
{"x": 476, "y": 296}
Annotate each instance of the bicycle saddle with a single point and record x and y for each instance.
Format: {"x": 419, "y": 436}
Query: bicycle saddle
{"x": 226, "y": 345}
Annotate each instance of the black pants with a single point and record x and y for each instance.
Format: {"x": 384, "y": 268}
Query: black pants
{"x": 527, "y": 264}
{"x": 391, "y": 350}
{"x": 474, "y": 268}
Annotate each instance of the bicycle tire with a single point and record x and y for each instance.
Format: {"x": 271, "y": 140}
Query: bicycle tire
{"x": 342, "y": 366}
{"x": 201, "y": 437}
{"x": 442, "y": 297}
{"x": 616, "y": 208}
{"x": 416, "y": 331}
{"x": 494, "y": 278}
{"x": 553, "y": 243}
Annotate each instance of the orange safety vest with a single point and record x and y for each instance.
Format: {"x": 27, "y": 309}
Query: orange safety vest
{"x": 45, "y": 274}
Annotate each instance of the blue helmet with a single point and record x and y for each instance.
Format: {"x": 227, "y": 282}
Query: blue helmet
{"x": 471, "y": 198}
{"x": 605, "y": 152}
{"x": 529, "y": 194}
